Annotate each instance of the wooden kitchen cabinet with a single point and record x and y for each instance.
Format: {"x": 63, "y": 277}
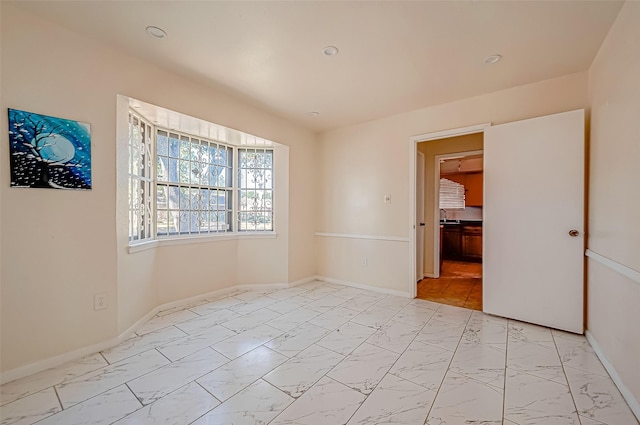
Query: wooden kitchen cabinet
{"x": 462, "y": 242}
{"x": 473, "y": 190}
{"x": 451, "y": 242}
{"x": 471, "y": 242}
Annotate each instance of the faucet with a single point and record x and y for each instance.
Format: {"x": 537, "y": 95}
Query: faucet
{"x": 445, "y": 214}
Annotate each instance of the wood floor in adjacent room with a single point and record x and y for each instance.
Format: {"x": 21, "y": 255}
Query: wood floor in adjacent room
{"x": 460, "y": 284}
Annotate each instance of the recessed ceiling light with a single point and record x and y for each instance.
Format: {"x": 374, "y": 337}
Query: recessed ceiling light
{"x": 156, "y": 32}
{"x": 492, "y": 59}
{"x": 330, "y": 51}
{"x": 314, "y": 113}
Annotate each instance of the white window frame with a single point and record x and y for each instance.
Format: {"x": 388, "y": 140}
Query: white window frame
{"x": 190, "y": 186}
{"x": 262, "y": 213}
{"x": 152, "y": 239}
{"x": 144, "y": 222}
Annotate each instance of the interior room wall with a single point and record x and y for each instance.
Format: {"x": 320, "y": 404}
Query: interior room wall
{"x": 467, "y": 143}
{"x": 614, "y": 201}
{"x": 3, "y": 129}
{"x": 60, "y": 248}
{"x": 136, "y": 290}
{"x": 361, "y": 164}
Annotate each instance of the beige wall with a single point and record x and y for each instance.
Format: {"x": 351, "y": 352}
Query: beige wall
{"x": 614, "y": 91}
{"x": 62, "y": 247}
{"x": 362, "y": 163}
{"x": 470, "y": 142}
{"x": 3, "y": 127}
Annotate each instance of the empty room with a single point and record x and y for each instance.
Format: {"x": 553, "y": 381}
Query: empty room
{"x": 319, "y": 212}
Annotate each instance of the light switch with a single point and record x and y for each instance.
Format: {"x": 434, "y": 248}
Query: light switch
{"x": 387, "y": 199}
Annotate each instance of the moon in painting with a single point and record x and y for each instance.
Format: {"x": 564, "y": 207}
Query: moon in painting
{"x": 56, "y": 148}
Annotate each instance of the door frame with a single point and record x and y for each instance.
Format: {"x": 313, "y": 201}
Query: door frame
{"x": 413, "y": 150}
{"x": 420, "y": 163}
{"x": 436, "y": 204}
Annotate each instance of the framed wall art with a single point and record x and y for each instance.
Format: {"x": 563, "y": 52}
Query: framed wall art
{"x": 49, "y": 152}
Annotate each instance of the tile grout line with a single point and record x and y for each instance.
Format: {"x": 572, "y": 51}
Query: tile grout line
{"x": 448, "y": 366}
{"x": 506, "y": 362}
{"x": 214, "y": 397}
{"x": 283, "y": 410}
{"x": 564, "y": 372}
{"x": 126, "y": 384}
{"x": 366, "y": 396}
{"x": 105, "y": 359}
{"x": 375, "y": 330}
{"x": 58, "y": 397}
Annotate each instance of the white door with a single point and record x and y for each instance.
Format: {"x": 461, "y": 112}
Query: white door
{"x": 534, "y": 220}
{"x": 420, "y": 225}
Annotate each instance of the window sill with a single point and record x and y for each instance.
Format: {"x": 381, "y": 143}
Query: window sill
{"x": 143, "y": 246}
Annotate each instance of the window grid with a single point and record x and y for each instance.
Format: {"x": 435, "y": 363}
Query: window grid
{"x": 255, "y": 189}
{"x": 140, "y": 179}
{"x": 194, "y": 185}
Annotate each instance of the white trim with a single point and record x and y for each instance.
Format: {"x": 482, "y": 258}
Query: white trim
{"x": 420, "y": 221}
{"x": 143, "y": 246}
{"x": 453, "y": 132}
{"x": 364, "y": 286}
{"x": 413, "y": 149}
{"x": 632, "y": 274}
{"x": 357, "y": 236}
{"x": 216, "y": 293}
{"x": 626, "y": 393}
{"x": 63, "y": 358}
{"x": 436, "y": 204}
{"x": 58, "y": 360}
{"x": 303, "y": 281}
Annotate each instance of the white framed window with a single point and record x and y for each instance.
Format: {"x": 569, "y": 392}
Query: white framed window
{"x": 182, "y": 185}
{"x": 451, "y": 195}
{"x": 140, "y": 180}
{"x": 255, "y": 189}
{"x": 194, "y": 188}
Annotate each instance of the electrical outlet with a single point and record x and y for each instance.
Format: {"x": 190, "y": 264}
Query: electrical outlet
{"x": 100, "y": 301}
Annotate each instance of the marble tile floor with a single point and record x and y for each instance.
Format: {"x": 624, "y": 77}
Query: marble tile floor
{"x": 321, "y": 354}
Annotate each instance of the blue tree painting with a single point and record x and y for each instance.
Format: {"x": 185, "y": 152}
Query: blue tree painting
{"x": 49, "y": 152}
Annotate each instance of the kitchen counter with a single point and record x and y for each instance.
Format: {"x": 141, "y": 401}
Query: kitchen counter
{"x": 461, "y": 240}
{"x": 463, "y": 222}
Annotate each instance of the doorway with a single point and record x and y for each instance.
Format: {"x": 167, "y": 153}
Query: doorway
{"x": 458, "y": 197}
{"x": 459, "y": 284}
{"x": 450, "y": 144}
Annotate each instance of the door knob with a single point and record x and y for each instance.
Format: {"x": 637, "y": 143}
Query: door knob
{"x": 573, "y": 233}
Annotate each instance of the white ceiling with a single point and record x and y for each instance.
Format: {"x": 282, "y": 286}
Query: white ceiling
{"x": 463, "y": 164}
{"x": 395, "y": 56}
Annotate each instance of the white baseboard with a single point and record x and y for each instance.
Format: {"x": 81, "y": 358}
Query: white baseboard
{"x": 39, "y": 366}
{"x": 303, "y": 281}
{"x": 626, "y": 393}
{"x": 61, "y": 359}
{"x": 51, "y": 362}
{"x": 364, "y": 286}
{"x": 186, "y": 301}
